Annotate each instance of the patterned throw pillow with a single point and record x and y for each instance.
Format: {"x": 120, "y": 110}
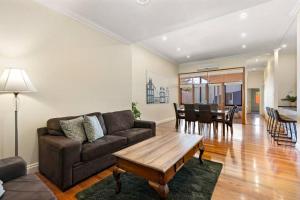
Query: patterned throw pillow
{"x": 92, "y": 128}
{"x": 74, "y": 129}
{"x": 1, "y": 189}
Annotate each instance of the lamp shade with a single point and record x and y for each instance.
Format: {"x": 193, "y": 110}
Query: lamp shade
{"x": 15, "y": 81}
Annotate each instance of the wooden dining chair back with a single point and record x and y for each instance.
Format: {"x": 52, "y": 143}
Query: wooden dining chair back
{"x": 176, "y": 109}
{"x": 229, "y": 118}
{"x": 179, "y": 116}
{"x": 190, "y": 115}
{"x": 231, "y": 115}
{"x": 205, "y": 116}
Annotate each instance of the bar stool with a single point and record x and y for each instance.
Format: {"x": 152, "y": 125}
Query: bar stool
{"x": 273, "y": 122}
{"x": 268, "y": 109}
{"x": 285, "y": 130}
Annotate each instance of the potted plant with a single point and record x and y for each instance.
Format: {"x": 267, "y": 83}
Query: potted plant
{"x": 291, "y": 99}
{"x": 136, "y": 113}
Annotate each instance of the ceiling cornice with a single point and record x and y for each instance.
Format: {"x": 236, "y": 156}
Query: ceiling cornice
{"x": 84, "y": 21}
{"x": 96, "y": 27}
{"x": 157, "y": 53}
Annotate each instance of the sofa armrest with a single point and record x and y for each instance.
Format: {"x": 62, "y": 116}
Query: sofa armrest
{"x": 12, "y": 168}
{"x": 57, "y": 155}
{"x": 145, "y": 124}
{"x": 42, "y": 131}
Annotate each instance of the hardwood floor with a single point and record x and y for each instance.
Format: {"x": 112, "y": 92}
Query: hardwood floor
{"x": 254, "y": 166}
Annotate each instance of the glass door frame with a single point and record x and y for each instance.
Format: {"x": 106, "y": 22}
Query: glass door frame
{"x": 215, "y": 70}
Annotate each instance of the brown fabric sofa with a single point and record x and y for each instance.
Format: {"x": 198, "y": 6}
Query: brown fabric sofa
{"x": 66, "y": 162}
{"x": 18, "y": 185}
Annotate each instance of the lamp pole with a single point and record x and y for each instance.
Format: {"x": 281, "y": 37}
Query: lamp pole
{"x": 16, "y": 124}
{"x": 14, "y": 80}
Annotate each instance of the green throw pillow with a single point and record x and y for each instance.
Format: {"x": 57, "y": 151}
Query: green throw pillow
{"x": 92, "y": 128}
{"x": 74, "y": 129}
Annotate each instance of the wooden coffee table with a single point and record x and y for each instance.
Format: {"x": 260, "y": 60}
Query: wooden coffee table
{"x": 158, "y": 159}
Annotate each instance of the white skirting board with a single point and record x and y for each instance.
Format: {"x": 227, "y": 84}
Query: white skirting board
{"x": 33, "y": 168}
{"x": 165, "y": 120}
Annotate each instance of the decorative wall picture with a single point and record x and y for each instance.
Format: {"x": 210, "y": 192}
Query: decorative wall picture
{"x": 157, "y": 90}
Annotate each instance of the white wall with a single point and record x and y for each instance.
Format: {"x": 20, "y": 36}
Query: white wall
{"x": 255, "y": 79}
{"x": 298, "y": 64}
{"x": 287, "y": 76}
{"x": 75, "y": 68}
{"x": 269, "y": 87}
{"x": 142, "y": 61}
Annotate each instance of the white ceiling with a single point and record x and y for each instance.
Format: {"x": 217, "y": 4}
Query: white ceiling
{"x": 203, "y": 29}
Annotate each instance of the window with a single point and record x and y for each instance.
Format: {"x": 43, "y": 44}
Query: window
{"x": 233, "y": 94}
{"x": 215, "y": 93}
{"x": 187, "y": 95}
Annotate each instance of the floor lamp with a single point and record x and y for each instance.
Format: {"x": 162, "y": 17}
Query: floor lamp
{"x": 15, "y": 81}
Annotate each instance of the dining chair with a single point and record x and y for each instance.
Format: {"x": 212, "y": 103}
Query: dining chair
{"x": 268, "y": 120}
{"x": 205, "y": 117}
{"x": 190, "y": 116}
{"x": 228, "y": 119}
{"x": 179, "y": 115}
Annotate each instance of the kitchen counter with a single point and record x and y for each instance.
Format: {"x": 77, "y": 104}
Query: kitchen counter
{"x": 290, "y": 111}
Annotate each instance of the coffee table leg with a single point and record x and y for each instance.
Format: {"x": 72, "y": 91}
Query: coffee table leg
{"x": 162, "y": 190}
{"x": 201, "y": 149}
{"x": 117, "y": 174}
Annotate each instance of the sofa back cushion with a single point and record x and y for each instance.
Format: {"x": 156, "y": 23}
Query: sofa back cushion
{"x": 118, "y": 121}
{"x": 54, "y": 125}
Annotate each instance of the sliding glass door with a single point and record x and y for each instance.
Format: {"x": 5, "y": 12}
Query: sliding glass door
{"x": 215, "y": 93}
{"x": 222, "y": 87}
{"x": 233, "y": 94}
{"x": 193, "y": 89}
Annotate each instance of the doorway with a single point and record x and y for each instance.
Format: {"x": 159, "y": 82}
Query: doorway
{"x": 254, "y": 100}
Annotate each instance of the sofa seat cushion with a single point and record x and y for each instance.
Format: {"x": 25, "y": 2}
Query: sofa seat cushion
{"x": 27, "y": 187}
{"x": 103, "y": 146}
{"x": 135, "y": 135}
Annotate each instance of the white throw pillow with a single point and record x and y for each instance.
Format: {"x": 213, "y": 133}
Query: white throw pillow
{"x": 92, "y": 128}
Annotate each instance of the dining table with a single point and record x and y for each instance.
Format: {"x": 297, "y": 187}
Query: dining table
{"x": 216, "y": 112}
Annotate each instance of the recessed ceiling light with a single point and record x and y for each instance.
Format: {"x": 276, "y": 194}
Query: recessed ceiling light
{"x": 243, "y": 15}
{"x": 164, "y": 38}
{"x": 256, "y": 60}
{"x": 188, "y": 56}
{"x": 284, "y": 46}
{"x": 243, "y": 35}
{"x": 143, "y": 2}
{"x": 178, "y": 49}
{"x": 244, "y": 46}
{"x": 254, "y": 69}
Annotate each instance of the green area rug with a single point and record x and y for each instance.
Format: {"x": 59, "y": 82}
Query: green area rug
{"x": 193, "y": 181}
